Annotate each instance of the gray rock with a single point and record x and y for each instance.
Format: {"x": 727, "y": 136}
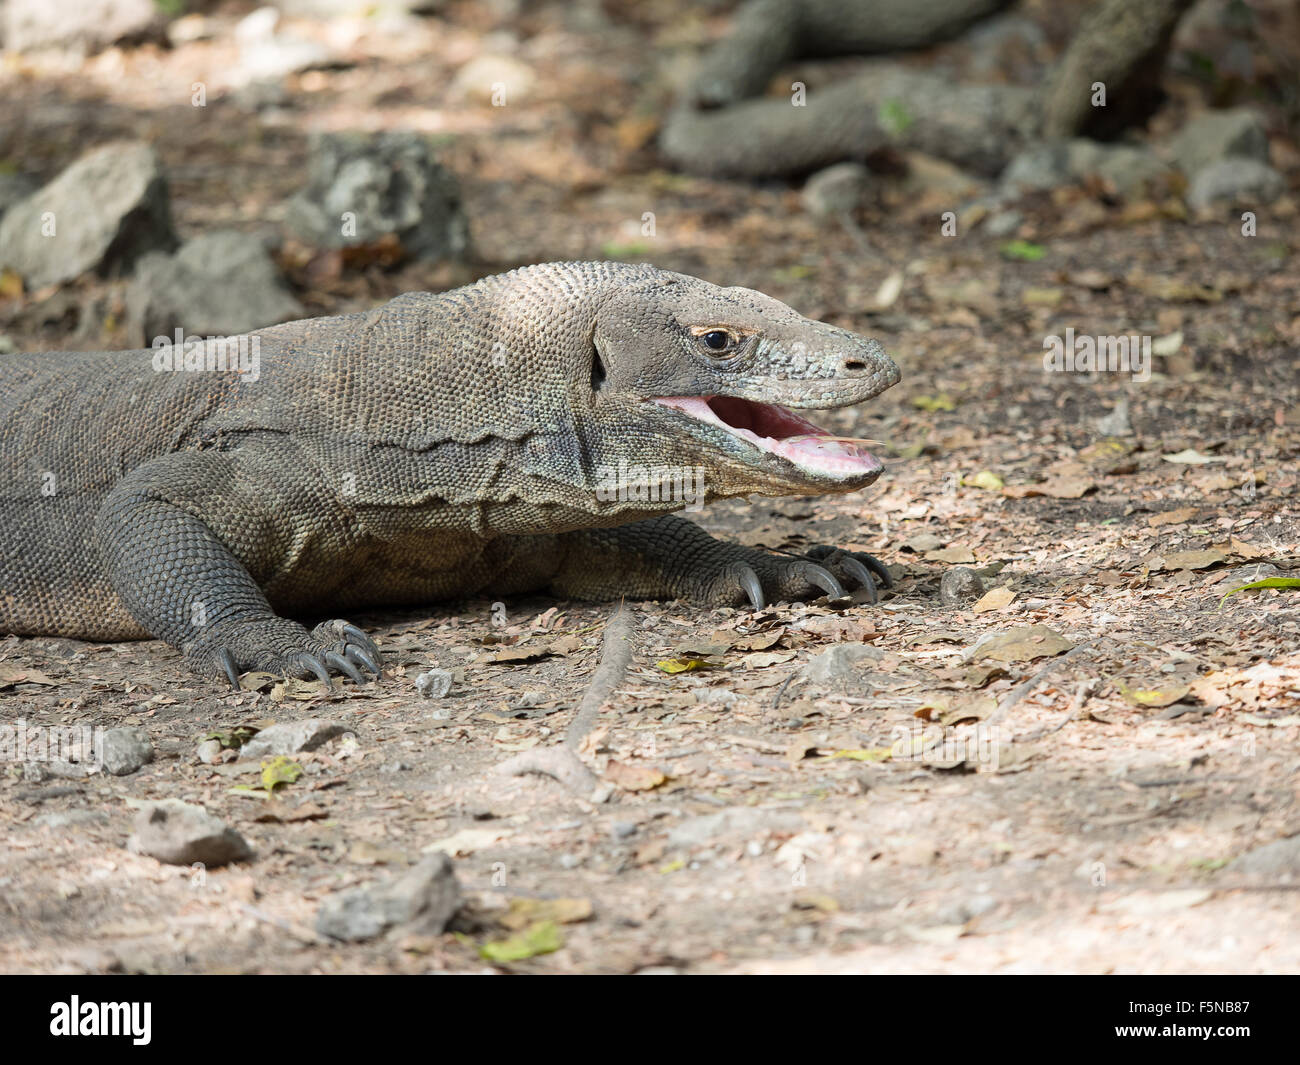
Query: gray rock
{"x": 107, "y": 210}
{"x": 731, "y": 822}
{"x": 289, "y": 737}
{"x": 1217, "y": 135}
{"x": 839, "y": 661}
{"x": 959, "y": 585}
{"x": 14, "y": 187}
{"x": 422, "y": 902}
{"x": 209, "y": 752}
{"x": 220, "y": 284}
{"x": 126, "y": 750}
{"x": 1003, "y": 223}
{"x": 837, "y": 189}
{"x": 434, "y": 684}
{"x": 361, "y": 187}
{"x": 180, "y": 834}
{"x": 715, "y": 696}
{"x": 485, "y": 77}
{"x": 84, "y": 25}
{"x": 1240, "y": 181}
{"x": 1279, "y": 858}
{"x": 1131, "y": 169}
{"x": 1117, "y": 422}
{"x": 622, "y": 829}
{"x": 268, "y": 55}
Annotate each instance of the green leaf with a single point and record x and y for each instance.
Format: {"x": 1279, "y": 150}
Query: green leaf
{"x": 942, "y": 401}
{"x": 684, "y": 664}
{"x": 1267, "y": 582}
{"x": 612, "y": 249}
{"x": 543, "y": 937}
{"x": 232, "y": 739}
{"x": 893, "y": 116}
{"x": 279, "y": 770}
{"x": 866, "y": 754}
{"x": 1022, "y": 250}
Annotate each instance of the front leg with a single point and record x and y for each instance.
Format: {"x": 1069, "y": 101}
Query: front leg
{"x": 672, "y": 558}
{"x": 184, "y": 540}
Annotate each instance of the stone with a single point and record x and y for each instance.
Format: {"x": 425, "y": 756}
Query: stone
{"x": 732, "y": 822}
{"x": 364, "y": 187}
{"x": 178, "y": 833}
{"x": 494, "y": 79}
{"x": 1237, "y": 181}
{"x": 420, "y": 902}
{"x": 84, "y": 25}
{"x": 1117, "y": 422}
{"x": 839, "y": 661}
{"x": 1213, "y": 136}
{"x": 434, "y": 684}
{"x": 960, "y": 584}
{"x": 126, "y": 750}
{"x": 290, "y": 737}
{"x": 1132, "y": 170}
{"x": 223, "y": 283}
{"x": 14, "y": 187}
{"x": 837, "y": 189}
{"x": 103, "y": 213}
{"x": 1279, "y": 858}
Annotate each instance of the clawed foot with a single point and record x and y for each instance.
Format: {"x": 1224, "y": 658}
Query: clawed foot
{"x": 770, "y": 578}
{"x": 277, "y": 645}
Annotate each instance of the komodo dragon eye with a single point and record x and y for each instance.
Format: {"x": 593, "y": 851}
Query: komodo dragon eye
{"x": 716, "y": 339}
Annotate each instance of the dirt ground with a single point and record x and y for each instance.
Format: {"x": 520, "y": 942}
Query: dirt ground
{"x": 755, "y": 818}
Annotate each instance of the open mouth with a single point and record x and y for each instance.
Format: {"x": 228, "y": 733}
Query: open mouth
{"x": 780, "y": 432}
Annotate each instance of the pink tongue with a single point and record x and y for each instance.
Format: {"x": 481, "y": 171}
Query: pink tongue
{"x": 819, "y": 450}
{"x": 827, "y": 452}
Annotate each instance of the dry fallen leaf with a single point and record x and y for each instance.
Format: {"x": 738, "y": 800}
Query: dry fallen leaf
{"x": 524, "y": 911}
{"x": 1192, "y": 457}
{"x": 1024, "y": 643}
{"x": 993, "y": 599}
{"x": 1057, "y": 488}
{"x": 1172, "y": 517}
{"x": 467, "y": 841}
{"x": 1153, "y": 697}
{"x": 633, "y": 777}
{"x": 1190, "y": 560}
{"x": 955, "y": 556}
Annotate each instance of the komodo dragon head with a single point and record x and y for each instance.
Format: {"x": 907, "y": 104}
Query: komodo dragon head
{"x": 691, "y": 374}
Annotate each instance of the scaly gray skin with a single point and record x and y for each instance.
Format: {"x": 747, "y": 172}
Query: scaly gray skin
{"x": 438, "y": 446}
{"x": 767, "y": 34}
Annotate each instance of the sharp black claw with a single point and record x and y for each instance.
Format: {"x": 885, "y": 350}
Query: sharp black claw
{"x": 358, "y": 655}
{"x": 356, "y": 636}
{"x": 227, "y": 661}
{"x": 878, "y": 568}
{"x": 861, "y": 574}
{"x": 751, "y": 586}
{"x": 333, "y": 658}
{"x": 311, "y": 662}
{"x": 824, "y": 579}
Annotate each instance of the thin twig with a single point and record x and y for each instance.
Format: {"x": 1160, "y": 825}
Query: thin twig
{"x": 1076, "y": 704}
{"x": 1025, "y": 687}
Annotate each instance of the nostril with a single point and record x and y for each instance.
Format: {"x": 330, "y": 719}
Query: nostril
{"x": 854, "y": 364}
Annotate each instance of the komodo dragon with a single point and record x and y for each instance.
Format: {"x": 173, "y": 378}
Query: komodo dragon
{"x": 438, "y": 446}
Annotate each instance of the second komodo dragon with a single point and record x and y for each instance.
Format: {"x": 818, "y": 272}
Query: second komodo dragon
{"x": 438, "y": 446}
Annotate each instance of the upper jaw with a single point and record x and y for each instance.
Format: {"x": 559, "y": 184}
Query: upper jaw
{"x": 766, "y": 434}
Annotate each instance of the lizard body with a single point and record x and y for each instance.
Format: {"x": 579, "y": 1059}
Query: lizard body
{"x": 439, "y": 446}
